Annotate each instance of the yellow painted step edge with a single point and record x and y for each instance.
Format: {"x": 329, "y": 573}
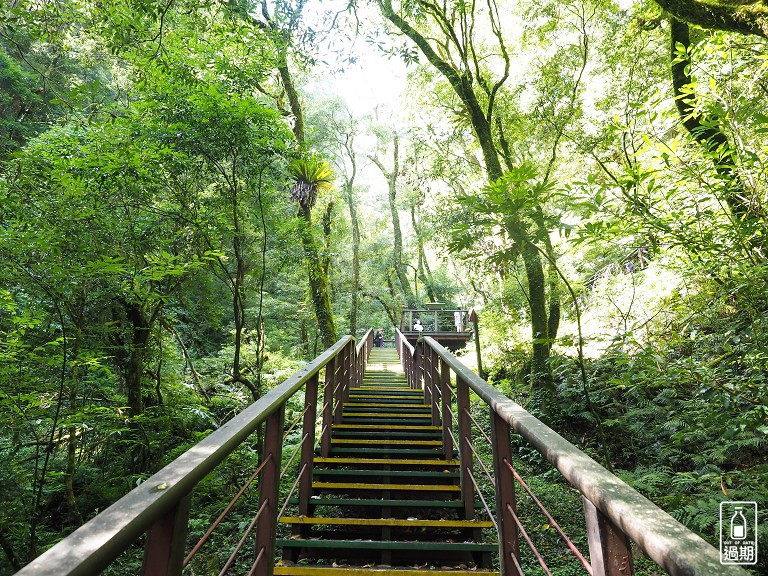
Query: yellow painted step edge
{"x": 410, "y": 462}
{"x": 397, "y": 487}
{"x": 383, "y": 405}
{"x": 384, "y": 415}
{"x": 413, "y": 427}
{"x": 316, "y": 570}
{"x": 393, "y": 441}
{"x": 316, "y": 520}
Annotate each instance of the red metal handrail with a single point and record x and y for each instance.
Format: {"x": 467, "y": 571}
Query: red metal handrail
{"x": 613, "y": 510}
{"x": 159, "y": 507}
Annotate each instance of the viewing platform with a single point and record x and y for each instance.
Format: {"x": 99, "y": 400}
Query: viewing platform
{"x": 451, "y": 327}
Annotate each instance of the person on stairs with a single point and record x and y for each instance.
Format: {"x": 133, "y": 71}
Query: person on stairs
{"x": 378, "y": 340}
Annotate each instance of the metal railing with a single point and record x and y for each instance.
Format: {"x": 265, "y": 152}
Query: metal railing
{"x": 434, "y": 320}
{"x": 615, "y": 513}
{"x": 159, "y": 507}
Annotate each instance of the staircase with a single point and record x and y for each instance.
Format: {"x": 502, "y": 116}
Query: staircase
{"x": 385, "y": 501}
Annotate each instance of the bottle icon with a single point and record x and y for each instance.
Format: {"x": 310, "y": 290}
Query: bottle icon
{"x": 738, "y": 525}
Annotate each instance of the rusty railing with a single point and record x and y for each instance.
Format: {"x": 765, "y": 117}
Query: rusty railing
{"x": 614, "y": 512}
{"x": 159, "y": 507}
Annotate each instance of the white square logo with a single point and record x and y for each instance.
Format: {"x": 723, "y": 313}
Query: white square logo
{"x": 738, "y": 533}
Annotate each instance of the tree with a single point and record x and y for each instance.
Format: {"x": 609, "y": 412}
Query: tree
{"x": 706, "y": 129}
{"x": 446, "y": 36}
{"x": 312, "y": 174}
{"x": 391, "y": 176}
{"x": 743, "y": 16}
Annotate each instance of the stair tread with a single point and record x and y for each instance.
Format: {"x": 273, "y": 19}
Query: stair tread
{"x": 393, "y": 502}
{"x": 389, "y": 461}
{"x": 403, "y": 427}
{"x": 379, "y": 441}
{"x": 387, "y": 544}
{"x": 348, "y": 413}
{"x": 393, "y": 473}
{"x": 383, "y": 571}
{"x": 377, "y": 486}
{"x": 318, "y": 520}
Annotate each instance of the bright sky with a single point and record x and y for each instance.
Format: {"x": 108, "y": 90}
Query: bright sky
{"x": 373, "y": 80}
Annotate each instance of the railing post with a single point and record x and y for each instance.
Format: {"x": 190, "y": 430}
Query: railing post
{"x": 434, "y": 379}
{"x": 358, "y": 364}
{"x": 509, "y": 548}
{"x": 166, "y": 542}
{"x": 308, "y": 444}
{"x": 325, "y": 439}
{"x": 429, "y": 397}
{"x": 445, "y": 397}
{"x": 609, "y": 550}
{"x": 350, "y": 376}
{"x": 418, "y": 364}
{"x": 465, "y": 454}
{"x": 338, "y": 387}
{"x": 269, "y": 491}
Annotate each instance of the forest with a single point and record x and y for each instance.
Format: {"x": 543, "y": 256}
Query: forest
{"x": 193, "y": 203}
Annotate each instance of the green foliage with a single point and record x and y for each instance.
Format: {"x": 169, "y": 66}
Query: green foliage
{"x": 312, "y": 174}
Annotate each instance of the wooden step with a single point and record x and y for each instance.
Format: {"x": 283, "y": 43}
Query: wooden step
{"x": 378, "y": 571}
{"x": 387, "y": 461}
{"x": 390, "y": 390}
{"x": 392, "y": 522}
{"x": 384, "y": 502}
{"x": 386, "y": 473}
{"x": 383, "y": 441}
{"x": 420, "y": 546}
{"x": 388, "y": 405}
{"x": 391, "y": 434}
{"x": 420, "y": 453}
{"x": 347, "y": 486}
{"x": 347, "y": 413}
{"x": 393, "y": 427}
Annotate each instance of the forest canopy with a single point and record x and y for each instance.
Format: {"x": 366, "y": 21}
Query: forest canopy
{"x": 193, "y": 203}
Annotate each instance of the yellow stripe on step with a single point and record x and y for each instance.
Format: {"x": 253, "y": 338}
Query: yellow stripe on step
{"x": 387, "y": 461}
{"x": 368, "y": 571}
{"x": 412, "y": 427}
{"x": 394, "y": 440}
{"x": 396, "y": 487}
{"x": 316, "y": 520}
{"x": 384, "y": 415}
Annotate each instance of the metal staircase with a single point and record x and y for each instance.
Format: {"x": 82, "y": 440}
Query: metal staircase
{"x": 386, "y": 499}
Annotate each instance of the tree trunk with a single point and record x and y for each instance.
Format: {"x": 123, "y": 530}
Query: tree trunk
{"x": 238, "y": 294}
{"x": 397, "y": 235}
{"x": 69, "y": 474}
{"x": 355, "y": 299}
{"x": 423, "y": 268}
{"x": 537, "y": 301}
{"x": 318, "y": 279}
{"x": 706, "y": 131}
{"x": 141, "y": 329}
{"x": 745, "y": 17}
{"x": 318, "y": 282}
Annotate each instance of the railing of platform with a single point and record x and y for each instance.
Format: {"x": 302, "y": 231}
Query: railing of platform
{"x": 614, "y": 512}
{"x": 434, "y": 320}
{"x": 159, "y": 507}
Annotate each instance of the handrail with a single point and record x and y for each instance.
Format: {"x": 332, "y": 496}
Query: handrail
{"x": 93, "y": 546}
{"x": 364, "y": 340}
{"x": 669, "y": 543}
{"x": 403, "y": 341}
